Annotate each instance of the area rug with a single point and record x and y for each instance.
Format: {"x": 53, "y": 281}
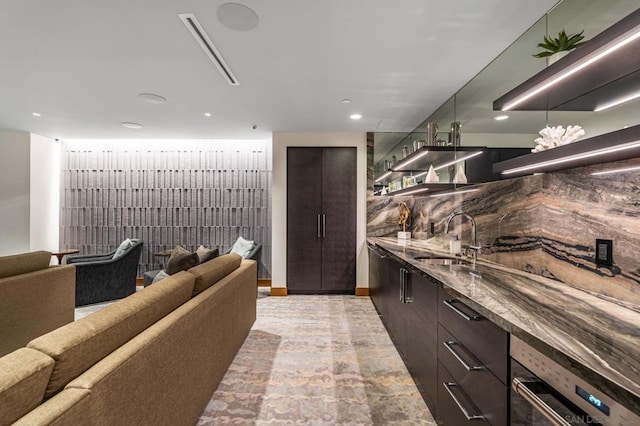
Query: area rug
{"x": 316, "y": 360}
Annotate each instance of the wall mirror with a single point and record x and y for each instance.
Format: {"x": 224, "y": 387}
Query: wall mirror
{"x": 472, "y": 105}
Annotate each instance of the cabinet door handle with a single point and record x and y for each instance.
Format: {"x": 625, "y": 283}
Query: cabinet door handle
{"x": 408, "y": 295}
{"x": 318, "y": 225}
{"x": 450, "y": 302}
{"x": 449, "y": 345}
{"x": 465, "y": 412}
{"x": 401, "y": 285}
{"x": 324, "y": 226}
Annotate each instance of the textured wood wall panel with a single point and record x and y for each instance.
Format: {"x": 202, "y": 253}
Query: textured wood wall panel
{"x": 200, "y": 192}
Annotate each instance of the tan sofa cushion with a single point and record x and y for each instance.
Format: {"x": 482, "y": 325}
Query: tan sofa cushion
{"x": 35, "y": 303}
{"x": 22, "y": 263}
{"x": 71, "y": 407}
{"x": 24, "y": 375}
{"x": 79, "y": 345}
{"x": 209, "y": 273}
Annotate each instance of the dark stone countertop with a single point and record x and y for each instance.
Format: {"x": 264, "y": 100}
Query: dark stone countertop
{"x": 596, "y": 339}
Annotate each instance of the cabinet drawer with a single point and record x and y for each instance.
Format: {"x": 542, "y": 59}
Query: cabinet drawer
{"x": 485, "y": 340}
{"x": 488, "y": 394}
{"x": 455, "y": 407}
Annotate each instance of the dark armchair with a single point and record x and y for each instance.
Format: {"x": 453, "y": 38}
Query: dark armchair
{"x": 100, "y": 278}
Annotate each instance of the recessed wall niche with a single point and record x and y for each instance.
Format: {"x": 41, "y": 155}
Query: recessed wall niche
{"x": 167, "y": 193}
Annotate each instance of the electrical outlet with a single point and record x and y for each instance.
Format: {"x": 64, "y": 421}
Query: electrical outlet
{"x": 433, "y": 228}
{"x": 604, "y": 252}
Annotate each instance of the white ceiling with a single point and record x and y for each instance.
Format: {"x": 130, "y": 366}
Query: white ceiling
{"x": 81, "y": 64}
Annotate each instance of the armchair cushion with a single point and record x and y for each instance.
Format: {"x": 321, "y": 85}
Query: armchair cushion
{"x": 123, "y": 248}
{"x": 181, "y": 260}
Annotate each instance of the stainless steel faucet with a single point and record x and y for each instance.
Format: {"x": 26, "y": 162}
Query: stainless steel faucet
{"x": 468, "y": 216}
{"x": 474, "y": 247}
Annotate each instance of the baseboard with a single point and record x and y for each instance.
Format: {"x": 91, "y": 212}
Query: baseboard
{"x": 264, "y": 282}
{"x": 278, "y": 291}
{"x": 362, "y": 291}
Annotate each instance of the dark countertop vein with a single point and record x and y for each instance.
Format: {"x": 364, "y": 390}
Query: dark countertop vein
{"x": 594, "y": 338}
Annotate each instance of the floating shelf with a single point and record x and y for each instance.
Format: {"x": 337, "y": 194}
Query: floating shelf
{"x": 426, "y": 189}
{"x": 619, "y": 145}
{"x": 419, "y": 161}
{"x": 614, "y": 76}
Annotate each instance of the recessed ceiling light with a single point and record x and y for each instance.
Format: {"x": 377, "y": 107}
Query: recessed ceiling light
{"x": 346, "y": 101}
{"x": 355, "y": 116}
{"x": 151, "y": 98}
{"x": 207, "y": 114}
{"x": 130, "y": 125}
{"x": 36, "y": 114}
{"x": 501, "y": 117}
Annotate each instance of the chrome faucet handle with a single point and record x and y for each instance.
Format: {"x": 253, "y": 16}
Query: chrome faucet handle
{"x": 475, "y": 251}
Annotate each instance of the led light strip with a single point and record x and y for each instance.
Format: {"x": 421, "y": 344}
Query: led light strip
{"x": 383, "y": 176}
{"x": 442, "y": 194}
{"x": 617, "y": 102}
{"x": 606, "y": 172}
{"x": 574, "y": 157}
{"x": 544, "y": 86}
{"x": 466, "y": 157}
{"x": 414, "y": 191}
{"x": 409, "y": 161}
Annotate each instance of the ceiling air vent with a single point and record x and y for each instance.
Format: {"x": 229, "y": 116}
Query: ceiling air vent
{"x": 204, "y": 41}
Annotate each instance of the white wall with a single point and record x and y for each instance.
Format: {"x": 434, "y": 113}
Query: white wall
{"x": 44, "y": 194}
{"x": 279, "y": 198}
{"x": 14, "y": 192}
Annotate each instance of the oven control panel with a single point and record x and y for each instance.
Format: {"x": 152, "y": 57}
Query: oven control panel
{"x": 594, "y": 402}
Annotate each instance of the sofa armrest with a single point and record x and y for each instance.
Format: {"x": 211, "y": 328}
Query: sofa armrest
{"x": 81, "y": 258}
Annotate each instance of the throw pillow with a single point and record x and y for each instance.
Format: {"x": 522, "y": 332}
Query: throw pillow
{"x": 181, "y": 260}
{"x": 122, "y": 249}
{"x": 242, "y": 247}
{"x": 159, "y": 276}
{"x": 205, "y": 254}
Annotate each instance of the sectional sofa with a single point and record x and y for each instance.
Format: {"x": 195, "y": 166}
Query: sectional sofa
{"x": 35, "y": 298}
{"x": 153, "y": 358}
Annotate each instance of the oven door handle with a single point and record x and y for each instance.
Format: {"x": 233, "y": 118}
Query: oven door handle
{"x": 519, "y": 386}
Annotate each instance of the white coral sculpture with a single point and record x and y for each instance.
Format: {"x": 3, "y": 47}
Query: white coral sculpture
{"x": 557, "y": 136}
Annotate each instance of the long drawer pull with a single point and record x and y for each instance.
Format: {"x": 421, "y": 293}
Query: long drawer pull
{"x": 465, "y": 412}
{"x": 520, "y": 387}
{"x": 449, "y": 303}
{"x": 449, "y": 345}
{"x": 318, "y": 225}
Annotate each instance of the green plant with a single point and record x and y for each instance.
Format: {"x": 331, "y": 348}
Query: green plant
{"x": 561, "y": 43}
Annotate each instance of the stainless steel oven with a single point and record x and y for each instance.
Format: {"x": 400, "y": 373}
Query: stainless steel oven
{"x": 544, "y": 393}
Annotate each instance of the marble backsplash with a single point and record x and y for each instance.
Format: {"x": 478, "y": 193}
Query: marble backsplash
{"x": 545, "y": 224}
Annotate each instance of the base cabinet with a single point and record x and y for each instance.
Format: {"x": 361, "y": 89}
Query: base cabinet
{"x": 472, "y": 366}
{"x": 458, "y": 358}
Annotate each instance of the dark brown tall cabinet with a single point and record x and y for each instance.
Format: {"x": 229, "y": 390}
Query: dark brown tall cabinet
{"x": 321, "y": 220}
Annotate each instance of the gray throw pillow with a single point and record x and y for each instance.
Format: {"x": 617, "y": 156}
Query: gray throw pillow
{"x": 205, "y": 254}
{"x": 181, "y": 260}
{"x": 122, "y": 249}
{"x": 159, "y": 276}
{"x": 242, "y": 247}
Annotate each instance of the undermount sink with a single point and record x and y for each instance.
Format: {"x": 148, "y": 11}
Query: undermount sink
{"x": 428, "y": 260}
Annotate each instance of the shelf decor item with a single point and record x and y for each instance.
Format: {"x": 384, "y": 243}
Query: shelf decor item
{"x": 404, "y": 220}
{"x": 432, "y": 176}
{"x": 561, "y": 43}
{"x": 460, "y": 176}
{"x": 557, "y": 136}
